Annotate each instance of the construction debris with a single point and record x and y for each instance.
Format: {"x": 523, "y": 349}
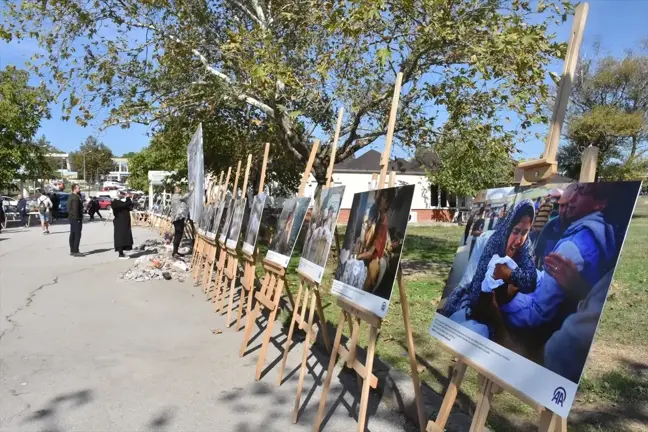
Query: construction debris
{"x": 156, "y": 265}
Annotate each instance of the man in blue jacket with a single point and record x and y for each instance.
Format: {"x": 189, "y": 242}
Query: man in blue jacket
{"x": 554, "y": 229}
{"x": 589, "y": 243}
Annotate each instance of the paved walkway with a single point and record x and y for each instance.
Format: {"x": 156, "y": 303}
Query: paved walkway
{"x": 81, "y": 350}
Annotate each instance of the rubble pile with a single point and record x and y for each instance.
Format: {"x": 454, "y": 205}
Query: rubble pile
{"x": 157, "y": 264}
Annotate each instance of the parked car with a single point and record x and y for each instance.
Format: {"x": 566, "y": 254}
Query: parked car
{"x": 104, "y": 202}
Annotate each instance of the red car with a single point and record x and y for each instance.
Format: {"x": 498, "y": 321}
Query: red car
{"x": 104, "y": 203}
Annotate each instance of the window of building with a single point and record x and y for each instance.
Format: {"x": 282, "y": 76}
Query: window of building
{"x": 434, "y": 196}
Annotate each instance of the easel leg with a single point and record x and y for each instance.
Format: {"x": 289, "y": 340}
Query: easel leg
{"x": 411, "y": 351}
{"x": 550, "y": 422}
{"x": 366, "y": 385}
{"x": 268, "y": 331}
{"x": 322, "y": 320}
{"x": 242, "y": 303}
{"x": 449, "y": 399}
{"x": 304, "y": 366}
{"x": 329, "y": 372}
{"x": 483, "y": 406}
{"x": 252, "y": 316}
{"x": 232, "y": 290}
{"x": 293, "y": 320}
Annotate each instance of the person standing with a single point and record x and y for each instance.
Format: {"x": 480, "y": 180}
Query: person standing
{"x": 75, "y": 217}
{"x": 123, "y": 235}
{"x": 54, "y": 198}
{"x": 22, "y": 210}
{"x": 2, "y": 214}
{"x": 44, "y": 211}
{"x": 179, "y": 213}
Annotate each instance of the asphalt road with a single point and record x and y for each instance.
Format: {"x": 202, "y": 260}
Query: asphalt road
{"x": 81, "y": 350}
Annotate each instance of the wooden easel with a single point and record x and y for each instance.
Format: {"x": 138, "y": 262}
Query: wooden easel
{"x": 222, "y": 254}
{"x": 535, "y": 172}
{"x": 272, "y": 288}
{"x": 231, "y": 261}
{"x": 201, "y": 241}
{"x": 310, "y": 290}
{"x": 365, "y": 371}
{"x": 249, "y": 273}
{"x": 208, "y": 252}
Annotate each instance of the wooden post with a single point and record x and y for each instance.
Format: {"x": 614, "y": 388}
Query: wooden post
{"x": 540, "y": 170}
{"x": 588, "y": 166}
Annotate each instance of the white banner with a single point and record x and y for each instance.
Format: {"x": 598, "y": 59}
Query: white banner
{"x": 196, "y": 174}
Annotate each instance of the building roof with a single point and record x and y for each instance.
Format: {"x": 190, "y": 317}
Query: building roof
{"x": 369, "y": 162}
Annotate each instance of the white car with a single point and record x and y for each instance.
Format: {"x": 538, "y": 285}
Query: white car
{"x": 7, "y": 200}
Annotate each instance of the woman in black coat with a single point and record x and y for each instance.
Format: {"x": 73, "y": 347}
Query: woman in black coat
{"x": 123, "y": 235}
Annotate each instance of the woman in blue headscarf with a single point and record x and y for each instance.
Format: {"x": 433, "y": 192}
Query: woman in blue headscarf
{"x": 510, "y": 239}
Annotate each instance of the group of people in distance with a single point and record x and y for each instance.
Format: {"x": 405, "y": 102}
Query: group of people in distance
{"x": 536, "y": 283}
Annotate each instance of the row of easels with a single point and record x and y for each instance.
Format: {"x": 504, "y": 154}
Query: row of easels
{"x": 308, "y": 301}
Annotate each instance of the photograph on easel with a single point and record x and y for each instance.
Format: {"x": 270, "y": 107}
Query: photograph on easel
{"x": 217, "y": 222}
{"x": 528, "y": 299}
{"x": 209, "y": 220}
{"x": 254, "y": 222}
{"x": 227, "y": 221}
{"x": 237, "y": 222}
{"x": 321, "y": 230}
{"x": 372, "y": 247}
{"x": 289, "y": 224}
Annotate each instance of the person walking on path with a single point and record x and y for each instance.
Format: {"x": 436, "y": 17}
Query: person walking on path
{"x": 179, "y": 213}
{"x": 123, "y": 235}
{"x": 75, "y": 217}
{"x": 22, "y": 210}
{"x": 44, "y": 211}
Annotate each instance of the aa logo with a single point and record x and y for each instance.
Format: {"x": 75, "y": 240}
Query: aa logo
{"x": 384, "y": 305}
{"x": 559, "y": 396}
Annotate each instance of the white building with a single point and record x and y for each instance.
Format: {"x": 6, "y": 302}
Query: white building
{"x": 120, "y": 170}
{"x": 430, "y": 203}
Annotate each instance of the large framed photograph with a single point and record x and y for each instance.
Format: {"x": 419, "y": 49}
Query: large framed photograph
{"x": 237, "y": 222}
{"x": 321, "y": 230}
{"x": 289, "y": 224}
{"x": 216, "y": 223}
{"x": 227, "y": 221}
{"x": 526, "y": 303}
{"x": 372, "y": 247}
{"x": 254, "y": 222}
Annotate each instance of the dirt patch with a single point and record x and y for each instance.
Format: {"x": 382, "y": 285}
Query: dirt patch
{"x": 421, "y": 268}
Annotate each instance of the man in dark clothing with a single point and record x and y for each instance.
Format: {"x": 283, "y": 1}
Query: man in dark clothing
{"x": 75, "y": 217}
{"x": 123, "y": 235}
{"x": 55, "y": 205}
{"x": 22, "y": 210}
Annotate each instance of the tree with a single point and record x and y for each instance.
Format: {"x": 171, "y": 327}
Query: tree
{"x": 22, "y": 107}
{"x": 129, "y": 155}
{"x": 97, "y": 157}
{"x": 227, "y": 138}
{"x": 293, "y": 63}
{"x": 609, "y": 110}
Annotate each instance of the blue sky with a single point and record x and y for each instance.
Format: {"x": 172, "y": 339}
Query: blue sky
{"x": 618, "y": 24}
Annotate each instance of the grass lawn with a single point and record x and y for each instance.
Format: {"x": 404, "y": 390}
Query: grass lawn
{"x": 614, "y": 390}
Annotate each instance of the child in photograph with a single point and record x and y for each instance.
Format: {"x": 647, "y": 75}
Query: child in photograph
{"x": 510, "y": 239}
{"x": 376, "y": 240}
